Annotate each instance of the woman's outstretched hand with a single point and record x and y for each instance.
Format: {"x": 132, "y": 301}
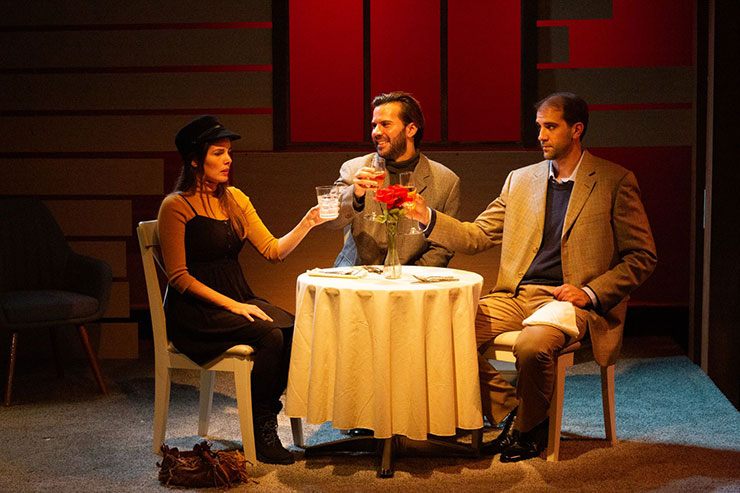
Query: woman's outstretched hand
{"x": 248, "y": 311}
{"x": 312, "y": 217}
{"x": 287, "y": 243}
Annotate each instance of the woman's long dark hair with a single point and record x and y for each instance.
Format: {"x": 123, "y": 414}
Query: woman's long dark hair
{"x": 191, "y": 177}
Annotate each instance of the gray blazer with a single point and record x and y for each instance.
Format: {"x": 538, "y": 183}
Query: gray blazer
{"x": 365, "y": 241}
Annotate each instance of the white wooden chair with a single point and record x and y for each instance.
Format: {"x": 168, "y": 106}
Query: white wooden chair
{"x": 237, "y": 359}
{"x": 501, "y": 350}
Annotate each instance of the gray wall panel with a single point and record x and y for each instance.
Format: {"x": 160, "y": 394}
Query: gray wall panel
{"x": 622, "y": 85}
{"x": 133, "y": 12}
{"x": 82, "y": 176}
{"x": 553, "y": 44}
{"x": 640, "y": 128}
{"x": 136, "y": 48}
{"x": 574, "y": 9}
{"x": 119, "y": 133}
{"x": 136, "y": 91}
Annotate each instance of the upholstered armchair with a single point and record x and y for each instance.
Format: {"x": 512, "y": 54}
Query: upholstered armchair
{"x": 43, "y": 283}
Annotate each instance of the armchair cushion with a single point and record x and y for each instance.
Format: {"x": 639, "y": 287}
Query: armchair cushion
{"x": 25, "y": 309}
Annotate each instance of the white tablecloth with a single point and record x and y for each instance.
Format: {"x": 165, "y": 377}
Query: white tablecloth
{"x": 395, "y": 356}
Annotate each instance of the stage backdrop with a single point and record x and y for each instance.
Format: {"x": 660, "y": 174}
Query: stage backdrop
{"x": 93, "y": 94}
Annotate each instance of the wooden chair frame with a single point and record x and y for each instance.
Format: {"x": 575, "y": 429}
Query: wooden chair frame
{"x": 237, "y": 360}
{"x": 501, "y": 350}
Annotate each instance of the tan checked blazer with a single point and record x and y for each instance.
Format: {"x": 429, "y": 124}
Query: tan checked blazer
{"x": 606, "y": 244}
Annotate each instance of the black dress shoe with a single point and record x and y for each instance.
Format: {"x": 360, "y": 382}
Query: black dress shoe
{"x": 527, "y": 444}
{"x": 504, "y": 440}
{"x": 360, "y": 432}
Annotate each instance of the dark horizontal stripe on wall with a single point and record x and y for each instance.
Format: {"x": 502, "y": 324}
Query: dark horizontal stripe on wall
{"x": 552, "y": 66}
{"x": 72, "y": 198}
{"x": 92, "y": 154}
{"x": 139, "y": 27}
{"x": 102, "y": 239}
{"x": 567, "y": 22}
{"x": 640, "y": 106}
{"x": 137, "y": 70}
{"x": 128, "y": 112}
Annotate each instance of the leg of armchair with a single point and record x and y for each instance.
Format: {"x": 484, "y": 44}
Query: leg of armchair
{"x": 93, "y": 359}
{"x": 11, "y": 366}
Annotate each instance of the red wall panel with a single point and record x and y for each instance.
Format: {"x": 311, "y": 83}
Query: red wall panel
{"x": 640, "y": 34}
{"x": 664, "y": 175}
{"x": 484, "y": 75}
{"x": 405, "y": 55}
{"x": 326, "y": 71}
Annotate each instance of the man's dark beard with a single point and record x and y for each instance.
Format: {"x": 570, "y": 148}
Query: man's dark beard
{"x": 398, "y": 146}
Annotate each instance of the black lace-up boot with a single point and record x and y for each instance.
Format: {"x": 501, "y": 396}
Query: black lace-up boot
{"x": 267, "y": 442}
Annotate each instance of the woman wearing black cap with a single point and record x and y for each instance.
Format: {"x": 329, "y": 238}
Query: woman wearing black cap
{"x": 209, "y": 306}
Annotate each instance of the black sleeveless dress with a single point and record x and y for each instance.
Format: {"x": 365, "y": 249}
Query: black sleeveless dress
{"x": 200, "y": 329}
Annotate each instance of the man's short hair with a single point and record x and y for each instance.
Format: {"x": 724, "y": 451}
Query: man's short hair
{"x": 410, "y": 110}
{"x": 574, "y": 108}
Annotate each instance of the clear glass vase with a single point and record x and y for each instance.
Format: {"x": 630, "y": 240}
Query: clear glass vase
{"x": 392, "y": 264}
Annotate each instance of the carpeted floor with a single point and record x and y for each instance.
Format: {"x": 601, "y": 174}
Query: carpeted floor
{"x": 677, "y": 433}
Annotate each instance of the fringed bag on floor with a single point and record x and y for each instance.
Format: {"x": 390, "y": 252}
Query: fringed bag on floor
{"x": 202, "y": 467}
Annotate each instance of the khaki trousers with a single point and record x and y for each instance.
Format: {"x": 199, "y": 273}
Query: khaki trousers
{"x": 534, "y": 349}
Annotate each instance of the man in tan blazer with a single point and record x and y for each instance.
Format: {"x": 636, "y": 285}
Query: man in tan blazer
{"x": 398, "y": 127}
{"x": 572, "y": 229}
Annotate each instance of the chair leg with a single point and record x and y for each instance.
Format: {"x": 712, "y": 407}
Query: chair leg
{"x": 93, "y": 359}
{"x": 162, "y": 380}
{"x": 607, "y": 398}
{"x": 207, "y": 379}
{"x": 556, "y": 407}
{"x": 243, "y": 383}
{"x": 55, "y": 350}
{"x": 296, "y": 426}
{"x": 11, "y": 366}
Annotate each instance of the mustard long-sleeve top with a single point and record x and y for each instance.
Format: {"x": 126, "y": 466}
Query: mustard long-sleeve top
{"x": 174, "y": 214}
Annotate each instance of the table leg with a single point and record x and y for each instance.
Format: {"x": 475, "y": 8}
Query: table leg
{"x": 477, "y": 440}
{"x": 386, "y": 461}
{"x": 296, "y": 426}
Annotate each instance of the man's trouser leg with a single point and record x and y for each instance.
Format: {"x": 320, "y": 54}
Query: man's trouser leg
{"x": 535, "y": 351}
{"x": 495, "y": 316}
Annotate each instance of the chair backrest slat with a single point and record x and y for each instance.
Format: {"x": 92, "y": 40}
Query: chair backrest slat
{"x": 148, "y": 244}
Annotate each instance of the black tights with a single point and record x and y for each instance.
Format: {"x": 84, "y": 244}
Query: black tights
{"x": 270, "y": 372}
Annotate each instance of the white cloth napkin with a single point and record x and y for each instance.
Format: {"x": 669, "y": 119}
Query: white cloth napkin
{"x": 558, "y": 314}
{"x": 339, "y": 272}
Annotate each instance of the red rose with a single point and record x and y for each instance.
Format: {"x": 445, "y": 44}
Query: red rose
{"x": 393, "y": 196}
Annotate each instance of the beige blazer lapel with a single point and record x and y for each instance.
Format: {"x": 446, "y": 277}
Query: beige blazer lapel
{"x": 538, "y": 198}
{"x": 584, "y": 184}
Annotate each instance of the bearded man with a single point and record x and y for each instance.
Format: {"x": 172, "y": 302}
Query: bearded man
{"x": 397, "y": 130}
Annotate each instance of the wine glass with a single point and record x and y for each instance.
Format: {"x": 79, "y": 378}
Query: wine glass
{"x": 406, "y": 180}
{"x": 377, "y": 170}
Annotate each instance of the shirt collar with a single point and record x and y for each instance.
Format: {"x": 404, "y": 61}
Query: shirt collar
{"x": 572, "y": 176}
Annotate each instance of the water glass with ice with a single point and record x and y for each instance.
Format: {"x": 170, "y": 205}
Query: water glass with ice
{"x": 328, "y": 197}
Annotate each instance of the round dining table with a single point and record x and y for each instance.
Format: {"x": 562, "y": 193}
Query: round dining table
{"x": 395, "y": 356}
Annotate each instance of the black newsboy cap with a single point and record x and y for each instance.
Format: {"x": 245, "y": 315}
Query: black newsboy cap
{"x": 203, "y": 129}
